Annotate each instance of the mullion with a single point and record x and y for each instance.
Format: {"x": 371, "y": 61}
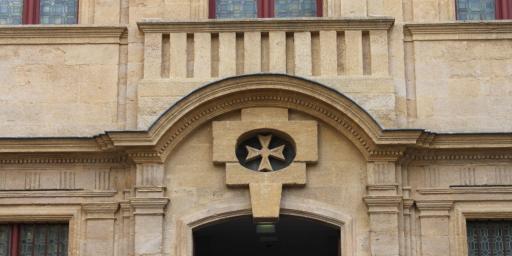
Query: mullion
{"x": 31, "y": 11}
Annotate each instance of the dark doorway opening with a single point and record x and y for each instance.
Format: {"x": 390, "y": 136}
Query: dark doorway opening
{"x": 292, "y": 235}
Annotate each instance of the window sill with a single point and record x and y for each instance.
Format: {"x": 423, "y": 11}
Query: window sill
{"x": 58, "y": 34}
{"x": 459, "y": 30}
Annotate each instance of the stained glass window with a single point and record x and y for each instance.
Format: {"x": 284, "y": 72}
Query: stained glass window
{"x": 476, "y": 9}
{"x": 295, "y": 8}
{"x": 489, "y": 238}
{"x": 58, "y": 11}
{"x": 34, "y": 239}
{"x": 236, "y": 9}
{"x": 11, "y": 12}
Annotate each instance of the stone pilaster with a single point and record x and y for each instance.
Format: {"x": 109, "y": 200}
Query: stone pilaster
{"x": 149, "y": 221}
{"x": 99, "y": 228}
{"x": 435, "y": 227}
{"x": 383, "y": 207}
{"x": 149, "y": 203}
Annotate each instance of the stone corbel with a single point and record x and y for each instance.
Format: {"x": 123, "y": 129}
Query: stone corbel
{"x": 100, "y": 228}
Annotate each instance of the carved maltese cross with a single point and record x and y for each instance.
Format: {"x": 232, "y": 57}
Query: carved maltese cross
{"x": 265, "y": 153}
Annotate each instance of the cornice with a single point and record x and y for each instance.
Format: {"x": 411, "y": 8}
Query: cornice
{"x": 456, "y": 154}
{"x": 54, "y": 144}
{"x": 55, "y": 193}
{"x": 282, "y": 25}
{"x": 62, "y": 158}
{"x": 467, "y": 140}
{"x": 277, "y": 90}
{"x": 48, "y": 34}
{"x": 459, "y": 30}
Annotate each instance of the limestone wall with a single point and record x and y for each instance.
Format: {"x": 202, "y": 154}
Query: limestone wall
{"x": 59, "y": 81}
{"x": 196, "y": 186}
{"x": 462, "y": 77}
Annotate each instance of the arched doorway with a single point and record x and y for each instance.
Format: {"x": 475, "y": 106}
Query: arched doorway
{"x": 292, "y": 235}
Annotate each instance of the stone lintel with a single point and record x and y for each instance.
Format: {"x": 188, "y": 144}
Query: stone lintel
{"x": 100, "y": 210}
{"x": 434, "y": 208}
{"x": 149, "y": 206}
{"x": 383, "y": 204}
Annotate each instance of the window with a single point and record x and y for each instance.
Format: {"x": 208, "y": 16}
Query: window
{"x": 33, "y": 239}
{"x": 489, "y": 238}
{"x": 229, "y": 9}
{"x": 484, "y": 9}
{"x": 38, "y": 12}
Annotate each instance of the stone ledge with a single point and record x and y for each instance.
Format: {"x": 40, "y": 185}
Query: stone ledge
{"x": 56, "y": 193}
{"x": 281, "y": 25}
{"x": 60, "y": 34}
{"x": 458, "y": 30}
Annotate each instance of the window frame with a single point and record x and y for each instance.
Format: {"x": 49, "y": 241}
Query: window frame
{"x": 467, "y": 211}
{"x": 15, "y": 232}
{"x": 502, "y": 10}
{"x": 31, "y": 13}
{"x": 265, "y": 8}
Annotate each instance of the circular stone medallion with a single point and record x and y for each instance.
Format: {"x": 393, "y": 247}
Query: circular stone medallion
{"x": 265, "y": 151}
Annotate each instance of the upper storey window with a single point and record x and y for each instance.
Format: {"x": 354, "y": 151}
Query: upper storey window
{"x": 38, "y": 12}
{"x": 233, "y": 9}
{"x": 484, "y": 9}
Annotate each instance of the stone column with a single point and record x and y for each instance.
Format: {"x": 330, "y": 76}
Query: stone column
{"x": 149, "y": 203}
{"x": 383, "y": 208}
{"x": 99, "y": 228}
{"x": 434, "y": 227}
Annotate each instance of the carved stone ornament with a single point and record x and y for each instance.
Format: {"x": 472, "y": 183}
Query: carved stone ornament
{"x": 265, "y": 151}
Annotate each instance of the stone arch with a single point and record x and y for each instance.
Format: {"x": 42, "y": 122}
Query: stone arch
{"x": 270, "y": 90}
{"x": 311, "y": 209}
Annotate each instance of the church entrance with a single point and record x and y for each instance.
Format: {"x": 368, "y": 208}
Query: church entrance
{"x": 290, "y": 236}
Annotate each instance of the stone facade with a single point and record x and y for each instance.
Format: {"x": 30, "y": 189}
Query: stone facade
{"x": 400, "y": 116}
